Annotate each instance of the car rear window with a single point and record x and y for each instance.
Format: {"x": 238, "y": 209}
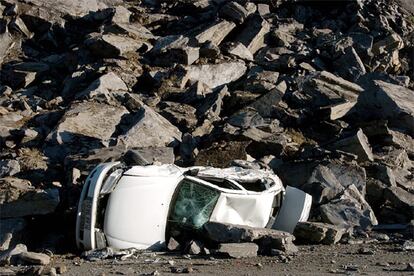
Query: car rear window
{"x": 193, "y": 204}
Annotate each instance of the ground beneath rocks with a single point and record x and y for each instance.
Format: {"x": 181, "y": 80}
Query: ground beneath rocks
{"x": 355, "y": 259}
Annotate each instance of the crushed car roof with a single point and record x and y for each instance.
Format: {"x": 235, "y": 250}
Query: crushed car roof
{"x": 238, "y": 174}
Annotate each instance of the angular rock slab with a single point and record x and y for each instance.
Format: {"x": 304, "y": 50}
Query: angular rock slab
{"x": 5, "y": 44}
{"x": 266, "y": 238}
{"x": 316, "y": 232}
{"x": 357, "y": 144}
{"x": 240, "y": 51}
{"x": 349, "y": 210}
{"x": 163, "y": 155}
{"x": 215, "y": 75}
{"x": 10, "y": 122}
{"x": 111, "y": 45}
{"x": 149, "y": 129}
{"x": 326, "y": 181}
{"x": 253, "y": 35}
{"x": 76, "y": 8}
{"x": 382, "y": 100}
{"x": 8, "y": 254}
{"x": 238, "y": 250}
{"x": 103, "y": 87}
{"x": 350, "y": 65}
{"x": 34, "y": 258}
{"x": 212, "y": 106}
{"x": 18, "y": 199}
{"x": 179, "y": 114}
{"x": 86, "y": 162}
{"x": 322, "y": 185}
{"x": 90, "y": 120}
{"x": 401, "y": 200}
{"x": 234, "y": 12}
{"x": 174, "y": 48}
{"x": 216, "y": 32}
{"x": 338, "y": 111}
{"x": 261, "y": 81}
{"x": 265, "y": 104}
{"x": 390, "y": 43}
{"x": 324, "y": 89}
{"x": 12, "y": 229}
{"x": 225, "y": 233}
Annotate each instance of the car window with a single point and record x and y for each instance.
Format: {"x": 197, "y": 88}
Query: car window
{"x": 193, "y": 204}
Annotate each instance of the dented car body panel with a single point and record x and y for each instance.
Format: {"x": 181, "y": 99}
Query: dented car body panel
{"x": 237, "y": 209}
{"x": 133, "y": 207}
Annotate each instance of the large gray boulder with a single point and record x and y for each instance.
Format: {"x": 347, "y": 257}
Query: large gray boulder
{"x": 349, "y": 210}
{"x": 121, "y": 23}
{"x": 75, "y": 8}
{"x": 247, "y": 118}
{"x": 89, "y": 120}
{"x": 356, "y": 144}
{"x": 18, "y": 199}
{"x": 215, "y": 75}
{"x": 5, "y": 44}
{"x": 112, "y": 45}
{"x": 254, "y": 33}
{"x": 216, "y": 32}
{"x": 174, "y": 49}
{"x": 332, "y": 94}
{"x": 212, "y": 106}
{"x": 10, "y": 122}
{"x": 149, "y": 129}
{"x": 265, "y": 105}
{"x": 11, "y": 230}
{"x": 239, "y": 51}
{"x": 228, "y": 233}
{"x": 401, "y": 200}
{"x": 181, "y": 115}
{"x": 323, "y": 185}
{"x": 234, "y": 12}
{"x": 383, "y": 100}
{"x": 316, "y": 232}
{"x": 261, "y": 81}
{"x": 104, "y": 87}
{"x": 325, "y": 181}
{"x": 238, "y": 250}
{"x": 86, "y": 161}
{"x": 85, "y": 125}
{"x": 350, "y": 65}
{"x": 266, "y": 238}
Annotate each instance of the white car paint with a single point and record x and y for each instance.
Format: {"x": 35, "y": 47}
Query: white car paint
{"x": 139, "y": 202}
{"x": 89, "y": 200}
{"x": 251, "y": 210}
{"x": 137, "y": 210}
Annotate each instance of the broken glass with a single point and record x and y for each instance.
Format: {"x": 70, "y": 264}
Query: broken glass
{"x": 194, "y": 204}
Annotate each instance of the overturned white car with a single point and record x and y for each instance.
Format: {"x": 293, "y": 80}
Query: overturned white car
{"x": 135, "y": 207}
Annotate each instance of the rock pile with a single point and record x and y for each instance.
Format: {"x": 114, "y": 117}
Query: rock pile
{"x": 322, "y": 93}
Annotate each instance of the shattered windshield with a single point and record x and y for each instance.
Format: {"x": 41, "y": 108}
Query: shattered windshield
{"x": 193, "y": 204}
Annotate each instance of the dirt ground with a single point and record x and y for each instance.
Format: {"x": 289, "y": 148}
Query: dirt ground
{"x": 356, "y": 259}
